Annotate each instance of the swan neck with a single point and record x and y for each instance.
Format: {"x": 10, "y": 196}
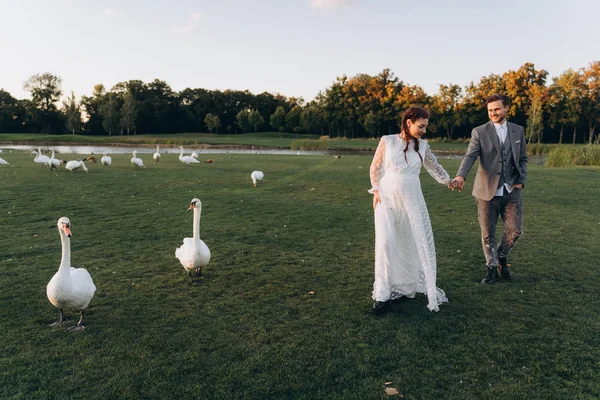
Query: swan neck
{"x": 65, "y": 261}
{"x": 197, "y": 223}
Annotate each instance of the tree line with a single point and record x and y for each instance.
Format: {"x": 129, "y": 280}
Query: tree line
{"x": 566, "y": 107}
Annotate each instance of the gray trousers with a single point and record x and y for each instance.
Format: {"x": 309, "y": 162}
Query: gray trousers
{"x": 510, "y": 208}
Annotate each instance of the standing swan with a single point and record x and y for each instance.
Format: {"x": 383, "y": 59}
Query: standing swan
{"x": 136, "y": 161}
{"x": 187, "y": 159}
{"x": 69, "y": 288}
{"x": 256, "y": 176}
{"x": 54, "y": 163}
{"x": 194, "y": 254}
{"x": 106, "y": 160}
{"x": 156, "y": 156}
{"x": 40, "y": 158}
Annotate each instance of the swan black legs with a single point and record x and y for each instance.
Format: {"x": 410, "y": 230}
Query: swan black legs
{"x": 79, "y": 326}
{"x": 62, "y": 319}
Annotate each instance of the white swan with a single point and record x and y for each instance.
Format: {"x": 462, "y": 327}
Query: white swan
{"x": 106, "y": 160}
{"x": 136, "y": 161}
{"x": 256, "y": 176}
{"x": 40, "y": 158}
{"x": 194, "y": 154}
{"x": 187, "y": 159}
{"x": 74, "y": 165}
{"x": 156, "y": 156}
{"x": 69, "y": 288}
{"x": 54, "y": 162}
{"x": 194, "y": 254}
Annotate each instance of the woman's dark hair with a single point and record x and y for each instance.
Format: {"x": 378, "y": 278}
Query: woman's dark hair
{"x": 413, "y": 114}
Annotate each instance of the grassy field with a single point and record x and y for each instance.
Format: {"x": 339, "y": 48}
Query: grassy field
{"x": 267, "y": 139}
{"x": 252, "y": 330}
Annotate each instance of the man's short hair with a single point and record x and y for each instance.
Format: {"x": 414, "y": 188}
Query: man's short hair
{"x": 498, "y": 96}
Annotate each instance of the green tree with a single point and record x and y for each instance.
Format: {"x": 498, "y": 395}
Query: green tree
{"x": 277, "y": 119}
{"x": 535, "y": 113}
{"x": 45, "y": 92}
{"x": 518, "y": 84}
{"x": 216, "y": 123}
{"x": 591, "y": 80}
{"x": 292, "y": 118}
{"x": 255, "y": 119}
{"x": 110, "y": 114}
{"x": 242, "y": 120}
{"x": 209, "y": 120}
{"x": 446, "y": 108}
{"x": 566, "y": 95}
{"x": 128, "y": 112}
{"x": 73, "y": 113}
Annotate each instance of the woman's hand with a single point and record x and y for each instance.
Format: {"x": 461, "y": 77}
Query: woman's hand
{"x": 376, "y": 199}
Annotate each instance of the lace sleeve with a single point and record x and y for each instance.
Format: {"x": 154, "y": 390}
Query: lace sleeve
{"x": 376, "y": 171}
{"x": 434, "y": 168}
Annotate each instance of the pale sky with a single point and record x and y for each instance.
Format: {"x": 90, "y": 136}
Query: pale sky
{"x": 294, "y": 47}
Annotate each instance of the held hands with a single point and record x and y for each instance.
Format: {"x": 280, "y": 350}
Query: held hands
{"x": 457, "y": 183}
{"x": 516, "y": 185}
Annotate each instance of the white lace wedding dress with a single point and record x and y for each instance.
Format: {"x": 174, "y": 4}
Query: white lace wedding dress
{"x": 405, "y": 262}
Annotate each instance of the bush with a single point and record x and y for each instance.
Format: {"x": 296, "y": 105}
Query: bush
{"x": 562, "y": 156}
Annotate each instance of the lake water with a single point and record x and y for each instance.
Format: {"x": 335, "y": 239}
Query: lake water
{"x": 95, "y": 149}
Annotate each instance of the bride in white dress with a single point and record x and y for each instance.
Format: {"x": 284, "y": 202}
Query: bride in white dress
{"x": 405, "y": 262}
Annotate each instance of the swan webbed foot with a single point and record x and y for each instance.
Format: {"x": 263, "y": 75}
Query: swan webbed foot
{"x": 79, "y": 327}
{"x": 60, "y": 323}
{"x": 62, "y": 320}
{"x": 76, "y": 328}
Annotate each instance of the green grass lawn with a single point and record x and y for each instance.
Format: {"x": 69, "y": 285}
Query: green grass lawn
{"x": 252, "y": 330}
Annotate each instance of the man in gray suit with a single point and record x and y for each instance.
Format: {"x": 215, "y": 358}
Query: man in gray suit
{"x": 501, "y": 176}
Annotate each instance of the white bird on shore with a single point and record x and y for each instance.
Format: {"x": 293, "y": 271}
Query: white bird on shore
{"x": 187, "y": 159}
{"x": 156, "y": 156}
{"x": 69, "y": 288}
{"x": 3, "y": 162}
{"x": 74, "y": 165}
{"x": 40, "y": 158}
{"x": 54, "y": 163}
{"x": 256, "y": 176}
{"x": 194, "y": 253}
{"x": 106, "y": 160}
{"x": 194, "y": 154}
{"x": 136, "y": 161}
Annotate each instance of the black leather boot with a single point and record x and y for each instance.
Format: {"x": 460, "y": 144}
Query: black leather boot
{"x": 504, "y": 271}
{"x": 492, "y": 275}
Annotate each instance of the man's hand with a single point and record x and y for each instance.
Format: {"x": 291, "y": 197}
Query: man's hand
{"x": 376, "y": 199}
{"x": 516, "y": 185}
{"x": 457, "y": 183}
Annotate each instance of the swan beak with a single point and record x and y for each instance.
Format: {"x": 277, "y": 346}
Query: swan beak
{"x": 67, "y": 230}
{"x": 191, "y": 207}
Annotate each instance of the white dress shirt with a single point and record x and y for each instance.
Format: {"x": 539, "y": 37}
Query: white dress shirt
{"x": 502, "y": 132}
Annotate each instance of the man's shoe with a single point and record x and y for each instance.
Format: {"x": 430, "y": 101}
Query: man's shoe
{"x": 504, "y": 271}
{"x": 379, "y": 307}
{"x": 492, "y": 275}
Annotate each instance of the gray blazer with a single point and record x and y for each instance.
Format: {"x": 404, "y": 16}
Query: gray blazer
{"x": 486, "y": 145}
